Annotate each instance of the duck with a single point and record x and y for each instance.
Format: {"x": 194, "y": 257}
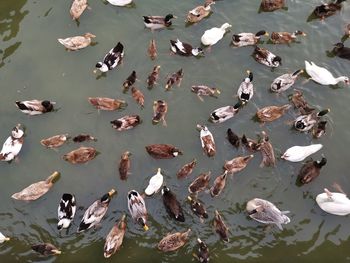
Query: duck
{"x": 306, "y": 122}
{"x": 96, "y": 211}
{"x": 347, "y": 30}
{"x": 54, "y": 141}
{"x": 13, "y": 144}
{"x": 35, "y": 107}
{"x": 266, "y": 57}
{"x": 174, "y": 78}
{"x": 198, "y": 13}
{"x": 3, "y": 238}
{"x": 333, "y": 203}
{"x": 285, "y": 37}
{"x": 220, "y": 227}
{"x": 200, "y": 183}
{"x": 341, "y": 51}
{"x": 184, "y": 49}
{"x": 322, "y": 75}
{"x": 112, "y": 59}
{"x": 250, "y": 144}
{"x": 198, "y": 208}
{"x": 300, "y": 103}
{"x": 36, "y": 190}
{"x": 137, "y": 208}
{"x": 327, "y": 9}
{"x": 46, "y": 249}
{"x": 233, "y": 138}
{"x": 138, "y": 96}
{"x": 172, "y": 242}
{"x": 319, "y": 130}
{"x": 272, "y": 5}
{"x": 237, "y": 164}
{"x": 126, "y": 122}
{"x": 213, "y": 35}
{"x": 158, "y": 22}
{"x": 80, "y": 155}
{"x": 130, "y": 80}
{"x": 267, "y": 151}
{"x": 77, "y": 8}
{"x": 203, "y": 255}
{"x": 115, "y": 237}
{"x": 271, "y": 113}
{"x": 152, "y": 49}
{"x": 300, "y": 153}
{"x": 207, "y": 140}
{"x": 120, "y": 2}
{"x": 155, "y": 183}
{"x": 218, "y": 185}
{"x": 222, "y": 114}
{"x": 66, "y": 211}
{"x": 172, "y": 205}
{"x": 203, "y": 90}
{"x": 247, "y": 39}
{"x": 187, "y": 169}
{"x": 266, "y": 212}
{"x": 245, "y": 91}
{"x": 153, "y": 76}
{"x": 285, "y": 81}
{"x": 124, "y": 165}
{"x": 163, "y": 151}
{"x": 108, "y": 104}
{"x": 77, "y": 42}
{"x": 310, "y": 170}
{"x": 160, "y": 109}
{"x": 83, "y": 138}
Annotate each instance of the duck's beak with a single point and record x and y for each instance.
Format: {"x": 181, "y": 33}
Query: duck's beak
{"x": 145, "y": 227}
{"x": 57, "y": 252}
{"x": 267, "y": 34}
{"x": 111, "y": 193}
{"x": 218, "y": 91}
{"x": 175, "y": 17}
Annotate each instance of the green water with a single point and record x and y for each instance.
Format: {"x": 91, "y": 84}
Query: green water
{"x": 35, "y": 66}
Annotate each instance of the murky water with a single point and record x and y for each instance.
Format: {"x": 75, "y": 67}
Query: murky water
{"x": 35, "y": 66}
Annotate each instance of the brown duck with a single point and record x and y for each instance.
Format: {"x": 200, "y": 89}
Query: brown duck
{"x": 160, "y": 109}
{"x": 198, "y": 208}
{"x": 200, "y": 183}
{"x": 220, "y": 227}
{"x": 272, "y": 5}
{"x": 285, "y": 37}
{"x": 175, "y": 78}
{"x": 80, "y": 155}
{"x": 77, "y": 8}
{"x": 300, "y": 103}
{"x": 172, "y": 242}
{"x": 187, "y": 169}
{"x": 267, "y": 151}
{"x": 319, "y": 130}
{"x": 54, "y": 141}
{"x": 271, "y": 113}
{"x": 152, "y": 49}
{"x": 46, "y": 249}
{"x": 109, "y": 104}
{"x": 129, "y": 81}
{"x": 124, "y": 165}
{"x": 84, "y": 137}
{"x": 163, "y": 151}
{"x": 310, "y": 170}
{"x": 153, "y": 77}
{"x": 172, "y": 205}
{"x": 219, "y": 185}
{"x": 233, "y": 138}
{"x": 138, "y": 96}
{"x": 250, "y": 144}
{"x": 115, "y": 237}
{"x": 237, "y": 164}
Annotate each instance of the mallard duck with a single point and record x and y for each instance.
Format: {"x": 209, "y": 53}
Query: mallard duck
{"x": 284, "y": 82}
{"x": 172, "y": 242}
{"x": 77, "y": 8}
{"x": 310, "y": 170}
{"x": 94, "y": 214}
{"x": 271, "y": 113}
{"x": 207, "y": 140}
{"x": 163, "y": 151}
{"x": 137, "y": 208}
{"x": 285, "y": 37}
{"x": 224, "y": 113}
{"x": 266, "y": 212}
{"x": 218, "y": 185}
{"x": 198, "y": 208}
{"x": 306, "y": 122}
{"x": 80, "y": 155}
{"x": 220, "y": 227}
{"x": 327, "y": 9}
{"x": 203, "y": 252}
{"x": 130, "y": 80}
{"x": 35, "y": 107}
{"x": 202, "y": 90}
{"x": 266, "y": 57}
{"x": 172, "y": 205}
{"x": 184, "y": 49}
{"x": 199, "y": 12}
{"x": 102, "y": 103}
{"x": 13, "y": 144}
{"x": 152, "y": 49}
{"x": 158, "y": 22}
{"x": 299, "y": 153}
{"x": 187, "y": 169}
{"x": 119, "y": 3}
{"x": 66, "y": 211}
{"x": 124, "y": 165}
{"x": 54, "y": 141}
{"x": 83, "y": 137}
{"x": 112, "y": 59}
{"x": 250, "y": 144}
{"x": 114, "y": 239}
{"x": 138, "y": 96}
{"x": 237, "y": 164}
{"x": 126, "y": 123}
{"x": 77, "y": 42}
{"x": 300, "y": 103}
{"x": 36, "y": 190}
{"x": 3, "y": 238}
{"x": 247, "y": 39}
{"x": 319, "y": 130}
{"x": 271, "y": 5}
{"x": 174, "y": 78}
{"x": 341, "y": 51}
{"x": 155, "y": 183}
{"x": 46, "y": 249}
{"x": 213, "y": 35}
{"x": 246, "y": 90}
{"x": 334, "y": 203}
{"x": 200, "y": 183}
{"x": 160, "y": 109}
{"x": 233, "y": 138}
{"x": 322, "y": 75}
{"x": 267, "y": 151}
{"x": 153, "y": 77}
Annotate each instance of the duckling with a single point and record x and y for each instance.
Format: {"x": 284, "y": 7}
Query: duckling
{"x": 153, "y": 77}
{"x": 271, "y": 113}
{"x": 112, "y": 59}
{"x": 285, "y": 37}
{"x": 247, "y": 39}
{"x": 199, "y": 12}
{"x": 77, "y": 8}
{"x": 267, "y": 151}
{"x": 80, "y": 155}
{"x": 272, "y": 5}
{"x": 341, "y": 51}
{"x": 207, "y": 140}
{"x": 120, "y": 3}
{"x": 155, "y": 183}
{"x": 310, "y": 170}
{"x": 158, "y": 22}
{"x": 138, "y": 96}
{"x": 163, "y": 151}
{"x": 220, "y": 227}
{"x": 114, "y": 239}
{"x": 200, "y": 183}
{"x": 102, "y": 103}
{"x": 160, "y": 109}
{"x": 172, "y": 205}
{"x": 203, "y": 252}
{"x": 300, "y": 103}
{"x": 124, "y": 165}
{"x": 126, "y": 123}
{"x": 3, "y": 238}
{"x": 96, "y": 211}
{"x": 137, "y": 208}
{"x": 46, "y": 249}
{"x": 233, "y": 138}
{"x": 266, "y": 57}
{"x": 186, "y": 170}
{"x": 198, "y": 208}
{"x": 77, "y": 42}
{"x": 54, "y": 141}
{"x": 219, "y": 185}
{"x": 184, "y": 49}
{"x": 237, "y": 164}
{"x": 224, "y": 113}
{"x": 213, "y": 35}
{"x": 266, "y": 212}
{"x": 299, "y": 153}
{"x": 129, "y": 81}
{"x": 66, "y": 211}
{"x": 319, "y": 130}
{"x": 83, "y": 138}
{"x": 36, "y": 190}
{"x": 305, "y": 123}
{"x": 13, "y": 144}
{"x": 152, "y": 49}
{"x": 334, "y": 203}
{"x": 284, "y": 82}
{"x": 172, "y": 242}
{"x": 35, "y": 107}
{"x": 250, "y": 144}
{"x": 246, "y": 90}
{"x": 322, "y": 75}
{"x": 327, "y": 9}
{"x": 202, "y": 90}
{"x": 175, "y": 78}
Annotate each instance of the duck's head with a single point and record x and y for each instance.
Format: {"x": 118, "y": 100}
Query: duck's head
{"x": 202, "y": 245}
{"x": 249, "y": 78}
{"x": 102, "y": 67}
{"x": 142, "y": 222}
{"x": 197, "y": 51}
{"x": 225, "y": 26}
{"x": 277, "y": 59}
{"x": 89, "y": 35}
{"x": 48, "y": 105}
{"x": 301, "y": 33}
{"x": 168, "y": 17}
{"x": 17, "y": 133}
{"x": 262, "y": 33}
{"x": 165, "y": 190}
{"x": 105, "y": 199}
{"x": 252, "y": 207}
{"x": 63, "y": 223}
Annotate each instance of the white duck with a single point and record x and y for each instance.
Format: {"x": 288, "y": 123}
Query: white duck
{"x": 13, "y": 145}
{"x": 3, "y": 238}
{"x": 155, "y": 183}
{"x": 299, "y": 153}
{"x": 334, "y": 203}
{"x": 213, "y": 35}
{"x": 322, "y": 75}
{"x": 120, "y": 2}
